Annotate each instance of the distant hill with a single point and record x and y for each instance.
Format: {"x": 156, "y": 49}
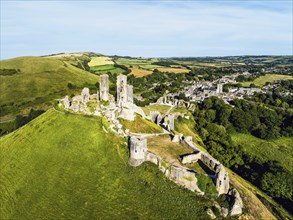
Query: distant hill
{"x": 61, "y": 166}
{"x": 27, "y": 81}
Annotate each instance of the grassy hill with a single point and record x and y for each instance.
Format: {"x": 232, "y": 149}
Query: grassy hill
{"x": 37, "y": 80}
{"x": 61, "y": 166}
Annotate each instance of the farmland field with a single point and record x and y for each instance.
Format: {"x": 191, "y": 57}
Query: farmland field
{"x": 104, "y": 69}
{"x": 261, "y": 81}
{"x": 135, "y": 62}
{"x": 100, "y": 61}
{"x": 140, "y": 72}
{"x": 173, "y": 70}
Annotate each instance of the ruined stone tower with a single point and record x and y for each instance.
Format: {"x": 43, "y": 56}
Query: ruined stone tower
{"x": 104, "y": 87}
{"x": 219, "y": 88}
{"x": 138, "y": 149}
{"x": 121, "y": 89}
{"x": 130, "y": 93}
{"x": 222, "y": 180}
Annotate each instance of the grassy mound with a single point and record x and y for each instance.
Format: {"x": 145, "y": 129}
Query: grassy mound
{"x": 141, "y": 125}
{"x": 61, "y": 166}
{"x": 38, "y": 80}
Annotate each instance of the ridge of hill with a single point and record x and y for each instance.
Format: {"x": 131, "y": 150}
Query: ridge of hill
{"x": 29, "y": 81}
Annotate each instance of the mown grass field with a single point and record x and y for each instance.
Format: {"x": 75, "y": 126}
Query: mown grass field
{"x": 62, "y": 166}
{"x": 39, "y": 78}
{"x": 100, "y": 61}
{"x": 280, "y": 149}
{"x": 261, "y": 81}
{"x": 135, "y": 62}
{"x": 156, "y": 107}
{"x": 141, "y": 125}
{"x": 104, "y": 69}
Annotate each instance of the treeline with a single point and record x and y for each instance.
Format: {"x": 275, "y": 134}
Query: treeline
{"x": 216, "y": 120}
{"x": 8, "y": 72}
{"x": 249, "y": 78}
{"x": 275, "y": 99}
{"x": 20, "y": 120}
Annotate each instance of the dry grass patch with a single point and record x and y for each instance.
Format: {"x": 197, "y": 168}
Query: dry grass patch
{"x": 140, "y": 72}
{"x": 164, "y": 147}
{"x": 173, "y": 70}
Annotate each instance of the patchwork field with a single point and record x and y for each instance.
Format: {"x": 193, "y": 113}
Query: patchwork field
{"x": 140, "y": 72}
{"x": 100, "y": 61}
{"x": 60, "y": 166}
{"x": 104, "y": 69}
{"x": 173, "y": 70}
{"x": 261, "y": 81}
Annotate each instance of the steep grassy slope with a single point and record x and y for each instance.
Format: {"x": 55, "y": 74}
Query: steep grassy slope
{"x": 279, "y": 149}
{"x": 38, "y": 80}
{"x": 66, "y": 167}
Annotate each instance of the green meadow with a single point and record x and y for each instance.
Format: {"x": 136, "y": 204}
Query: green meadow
{"x": 261, "y": 81}
{"x": 63, "y": 166}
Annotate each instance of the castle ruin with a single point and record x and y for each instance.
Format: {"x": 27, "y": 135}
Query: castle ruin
{"x": 121, "y": 89}
{"x": 104, "y": 87}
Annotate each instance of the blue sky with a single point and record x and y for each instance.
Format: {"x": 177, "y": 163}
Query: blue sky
{"x": 147, "y": 28}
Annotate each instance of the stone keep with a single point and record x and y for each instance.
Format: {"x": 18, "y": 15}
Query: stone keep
{"x": 222, "y": 180}
{"x": 104, "y": 87}
{"x": 219, "y": 88}
{"x": 138, "y": 149}
{"x": 85, "y": 95}
{"x": 130, "y": 93}
{"x": 121, "y": 89}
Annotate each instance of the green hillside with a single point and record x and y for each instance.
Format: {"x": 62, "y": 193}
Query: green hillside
{"x": 280, "y": 149}
{"x": 27, "y": 81}
{"x": 61, "y": 166}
